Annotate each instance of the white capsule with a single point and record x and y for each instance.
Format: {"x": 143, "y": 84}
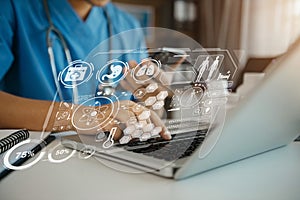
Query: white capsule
{"x": 150, "y": 101}
{"x": 145, "y": 137}
{"x": 151, "y": 87}
{"x": 158, "y": 105}
{"x": 140, "y": 124}
{"x": 148, "y": 127}
{"x": 129, "y": 130}
{"x": 137, "y": 134}
{"x": 125, "y": 139}
{"x": 144, "y": 115}
{"x": 162, "y": 95}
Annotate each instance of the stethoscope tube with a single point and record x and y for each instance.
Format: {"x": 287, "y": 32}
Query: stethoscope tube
{"x": 50, "y": 30}
{"x": 54, "y": 30}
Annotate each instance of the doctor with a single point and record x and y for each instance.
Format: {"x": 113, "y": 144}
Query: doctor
{"x": 26, "y": 77}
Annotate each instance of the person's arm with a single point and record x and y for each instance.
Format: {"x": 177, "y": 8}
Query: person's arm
{"x": 38, "y": 115}
{"x": 18, "y": 113}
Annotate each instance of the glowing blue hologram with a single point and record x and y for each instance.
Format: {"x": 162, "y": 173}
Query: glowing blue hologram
{"x": 91, "y": 114}
{"x": 22, "y": 153}
{"x": 170, "y": 78}
{"x": 213, "y": 68}
{"x": 228, "y": 64}
{"x": 216, "y": 101}
{"x": 60, "y": 154}
{"x": 207, "y": 65}
{"x": 113, "y": 72}
{"x": 202, "y": 68}
{"x": 95, "y": 112}
{"x": 185, "y": 105}
{"x": 86, "y": 152}
{"x": 109, "y": 142}
{"x": 146, "y": 70}
{"x": 214, "y": 132}
{"x": 76, "y": 73}
{"x": 192, "y": 96}
{"x": 116, "y": 71}
{"x": 225, "y": 76}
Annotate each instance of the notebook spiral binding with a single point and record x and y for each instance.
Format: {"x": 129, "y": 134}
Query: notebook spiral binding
{"x": 13, "y": 139}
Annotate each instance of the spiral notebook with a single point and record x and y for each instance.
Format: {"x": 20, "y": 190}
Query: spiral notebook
{"x": 11, "y": 140}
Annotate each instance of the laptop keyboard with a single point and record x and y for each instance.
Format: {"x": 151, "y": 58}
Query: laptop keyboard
{"x": 177, "y": 126}
{"x": 180, "y": 146}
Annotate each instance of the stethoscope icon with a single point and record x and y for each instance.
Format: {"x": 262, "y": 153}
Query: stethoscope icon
{"x": 52, "y": 29}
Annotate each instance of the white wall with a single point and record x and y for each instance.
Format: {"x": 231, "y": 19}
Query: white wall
{"x": 269, "y": 26}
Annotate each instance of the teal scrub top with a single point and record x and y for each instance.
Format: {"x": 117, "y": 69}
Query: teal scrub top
{"x": 25, "y": 68}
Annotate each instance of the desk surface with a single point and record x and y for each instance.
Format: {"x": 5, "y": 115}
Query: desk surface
{"x": 273, "y": 175}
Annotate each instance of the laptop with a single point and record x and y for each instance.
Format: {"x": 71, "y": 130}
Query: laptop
{"x": 266, "y": 119}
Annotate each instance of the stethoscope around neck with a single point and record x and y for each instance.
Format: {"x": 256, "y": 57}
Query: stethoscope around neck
{"x": 52, "y": 29}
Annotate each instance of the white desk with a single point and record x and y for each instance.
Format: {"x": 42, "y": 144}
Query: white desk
{"x": 273, "y": 175}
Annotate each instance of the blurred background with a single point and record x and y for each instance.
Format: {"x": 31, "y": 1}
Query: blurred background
{"x": 256, "y": 30}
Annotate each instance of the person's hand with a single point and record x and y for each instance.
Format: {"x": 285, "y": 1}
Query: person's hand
{"x": 142, "y": 78}
{"x": 147, "y": 72}
{"x": 130, "y": 119}
{"x": 149, "y": 83}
